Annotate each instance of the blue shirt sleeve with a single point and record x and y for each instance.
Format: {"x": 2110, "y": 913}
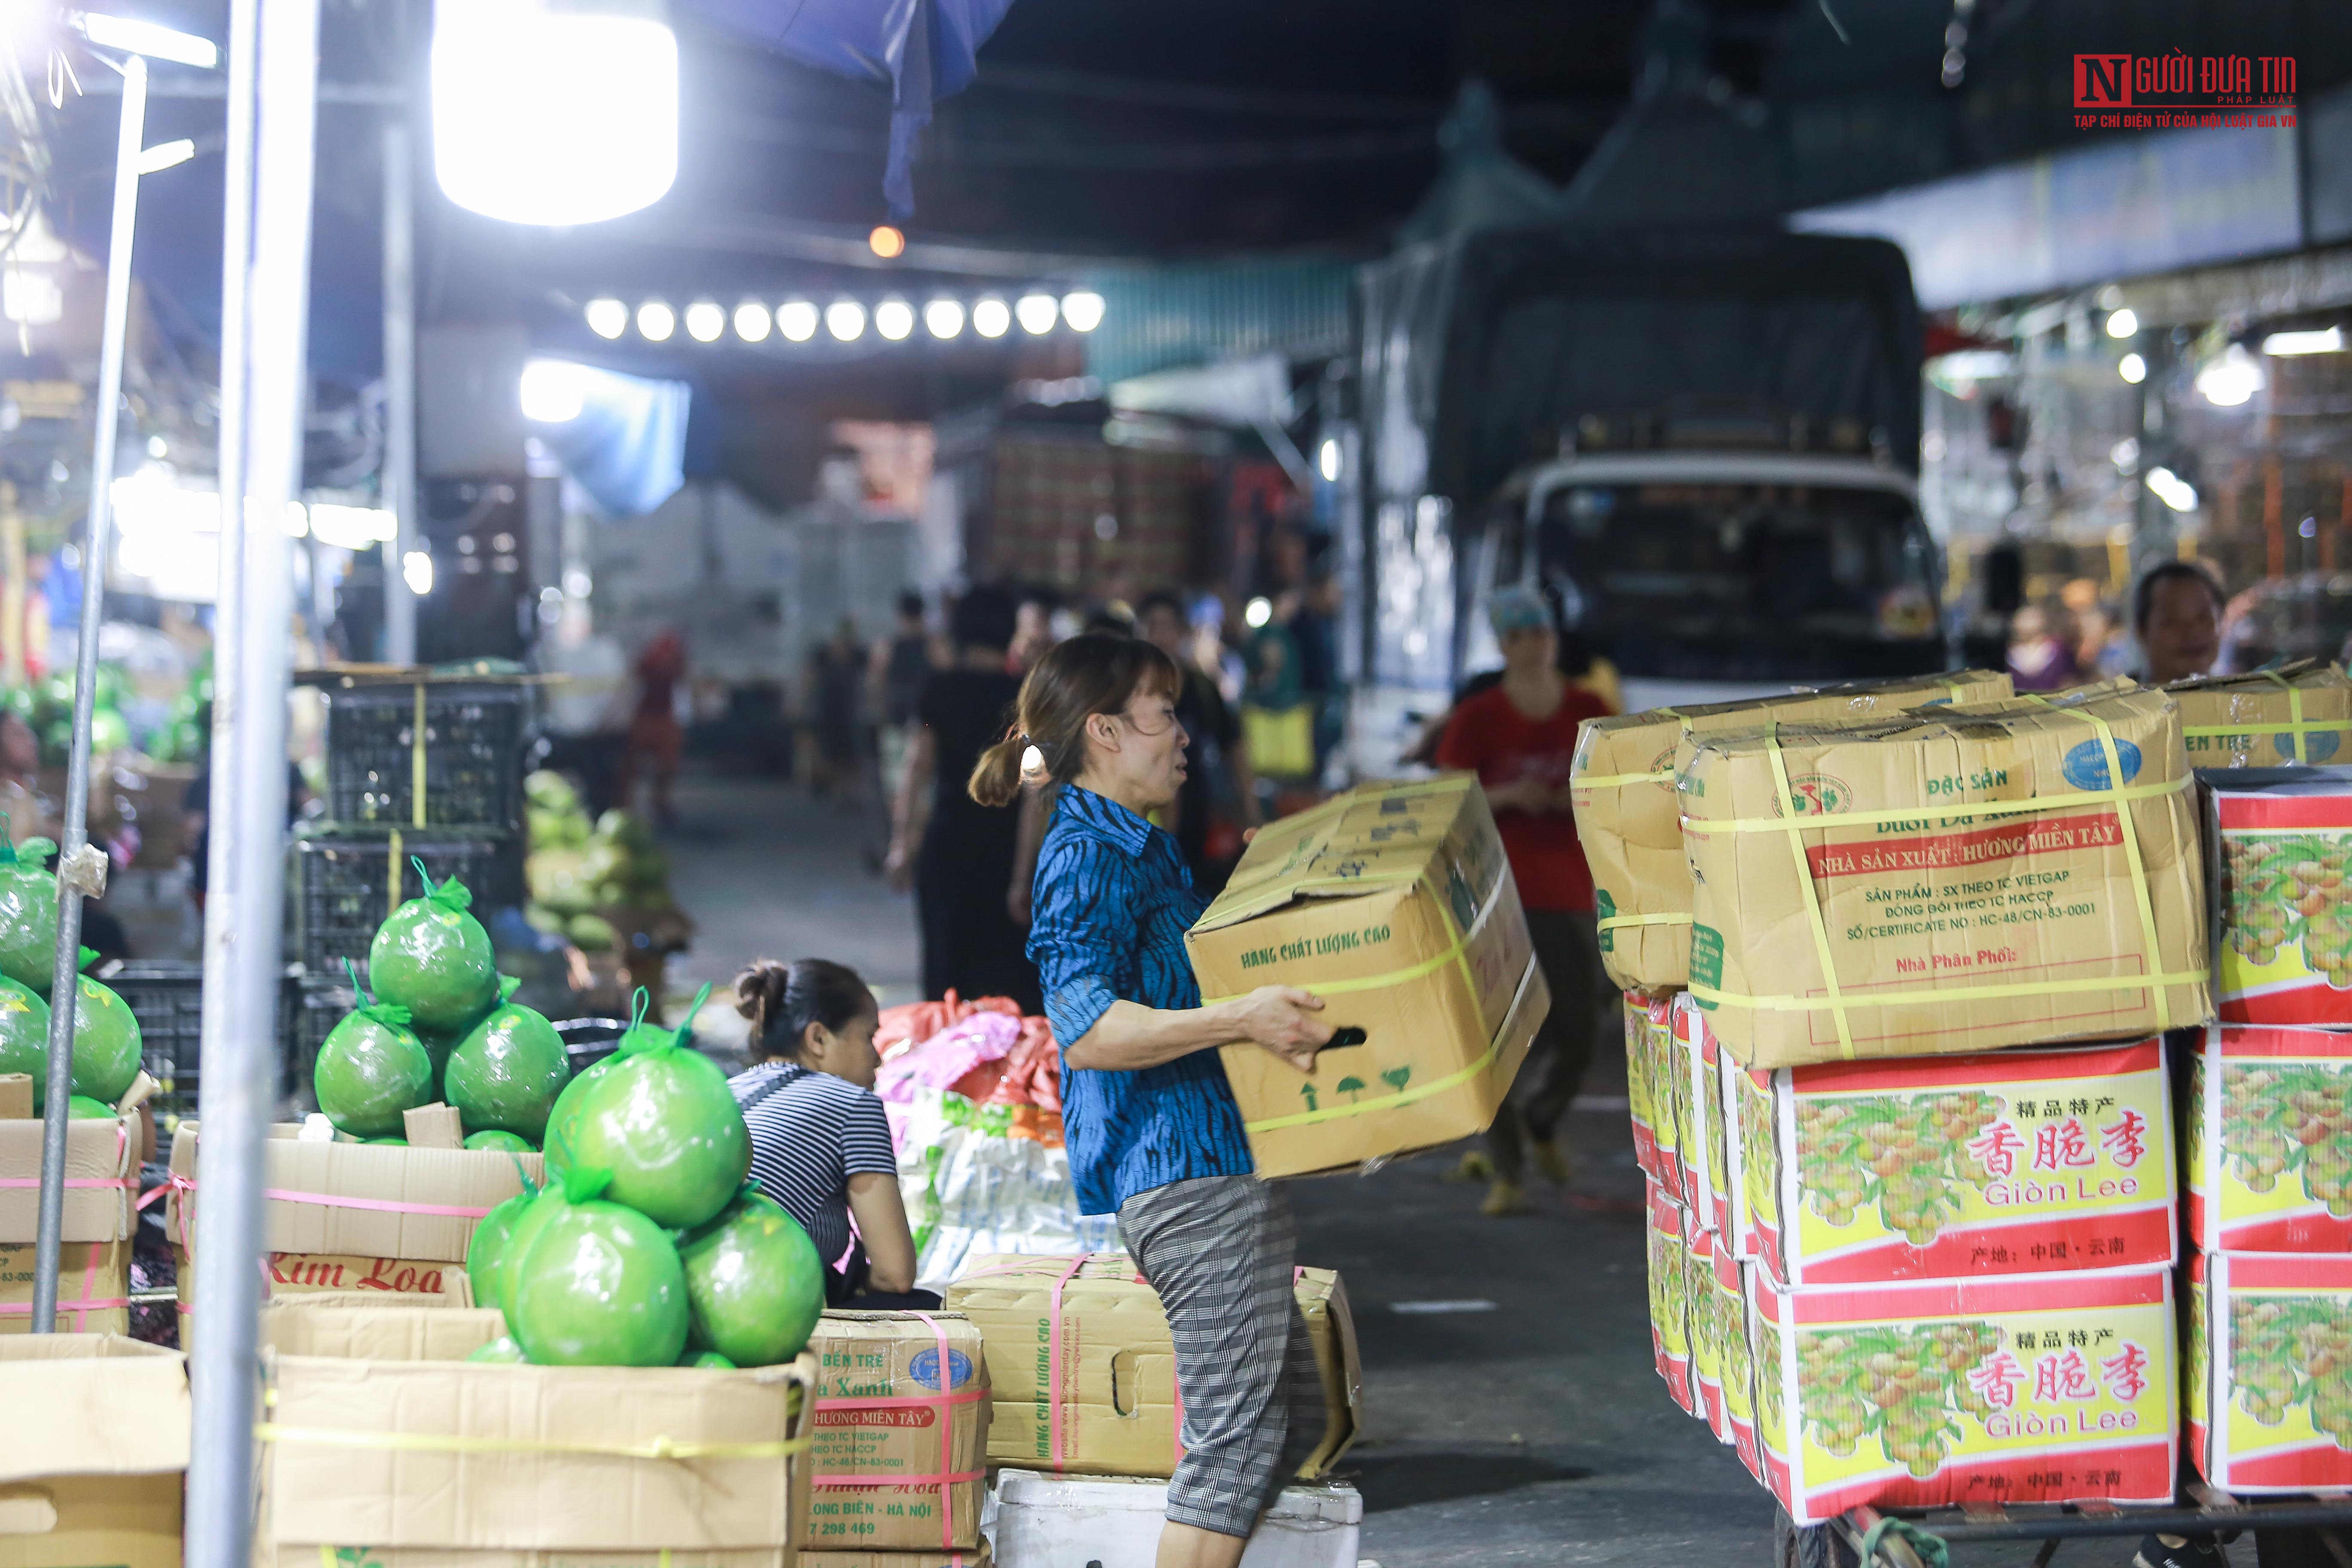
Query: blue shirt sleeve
{"x": 1081, "y": 932}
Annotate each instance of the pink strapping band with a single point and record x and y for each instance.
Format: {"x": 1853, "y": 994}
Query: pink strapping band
{"x": 82, "y": 1308}
{"x": 947, "y": 1476}
{"x": 381, "y": 1206}
{"x": 1054, "y": 1360}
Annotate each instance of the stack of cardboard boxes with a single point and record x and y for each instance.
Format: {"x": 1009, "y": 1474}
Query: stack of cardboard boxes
{"x": 1912, "y": 1243}
{"x": 92, "y": 1452}
{"x": 101, "y": 1186}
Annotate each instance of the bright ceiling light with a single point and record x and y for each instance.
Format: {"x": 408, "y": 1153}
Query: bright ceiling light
{"x": 2172, "y": 490}
{"x": 887, "y": 242}
{"x": 416, "y": 571}
{"x": 656, "y": 322}
{"x": 2329, "y": 341}
{"x": 943, "y": 317}
{"x": 752, "y": 321}
{"x": 1257, "y": 612}
{"x": 1326, "y": 460}
{"x": 147, "y": 39}
{"x": 607, "y": 318}
{"x": 553, "y": 391}
{"x": 166, "y": 155}
{"x": 1036, "y": 313}
{"x": 705, "y": 322}
{"x": 1083, "y": 309}
{"x": 2122, "y": 325}
{"x": 31, "y": 296}
{"x": 893, "y": 319}
{"x": 551, "y": 111}
{"x": 2132, "y": 368}
{"x": 990, "y": 319}
{"x": 796, "y": 319}
{"x": 352, "y": 527}
{"x": 846, "y": 320}
{"x": 2230, "y": 379}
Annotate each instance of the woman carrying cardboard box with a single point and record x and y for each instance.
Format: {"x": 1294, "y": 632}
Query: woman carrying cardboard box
{"x": 1152, "y": 1131}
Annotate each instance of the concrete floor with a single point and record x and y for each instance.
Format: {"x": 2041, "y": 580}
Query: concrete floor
{"x": 1533, "y": 1433}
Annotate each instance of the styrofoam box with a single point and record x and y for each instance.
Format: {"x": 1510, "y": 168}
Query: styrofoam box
{"x": 1071, "y": 1522}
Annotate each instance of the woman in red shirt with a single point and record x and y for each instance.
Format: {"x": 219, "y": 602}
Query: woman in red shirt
{"x": 1518, "y": 736}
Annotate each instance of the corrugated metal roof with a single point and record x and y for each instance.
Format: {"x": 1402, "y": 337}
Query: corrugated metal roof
{"x": 1195, "y": 313}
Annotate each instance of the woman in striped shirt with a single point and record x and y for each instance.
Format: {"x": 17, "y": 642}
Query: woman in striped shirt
{"x": 820, "y": 1144}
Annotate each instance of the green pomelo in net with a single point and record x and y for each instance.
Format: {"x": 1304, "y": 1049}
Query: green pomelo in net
{"x": 371, "y": 1069}
{"x": 754, "y": 1282}
{"x": 106, "y": 1049}
{"x": 506, "y": 1267}
{"x": 390, "y": 1142}
{"x": 503, "y": 1349}
{"x": 82, "y": 1108}
{"x": 488, "y": 1244}
{"x": 28, "y": 913}
{"x": 662, "y": 1121}
{"x": 567, "y": 1103}
{"x": 507, "y": 1072}
{"x": 499, "y": 1139}
{"x": 705, "y": 1361}
{"x": 433, "y": 958}
{"x": 24, "y": 1036}
{"x": 600, "y": 1286}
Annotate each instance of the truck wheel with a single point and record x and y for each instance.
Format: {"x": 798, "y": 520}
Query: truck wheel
{"x": 1798, "y": 1545}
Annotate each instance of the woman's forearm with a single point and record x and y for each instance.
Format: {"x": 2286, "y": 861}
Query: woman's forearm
{"x": 1130, "y": 1035}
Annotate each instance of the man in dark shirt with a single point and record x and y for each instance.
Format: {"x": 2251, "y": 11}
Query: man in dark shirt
{"x": 1216, "y": 743}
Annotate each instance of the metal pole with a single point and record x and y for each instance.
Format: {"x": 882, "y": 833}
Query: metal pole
{"x": 399, "y": 384}
{"x": 273, "y": 59}
{"x": 72, "y": 878}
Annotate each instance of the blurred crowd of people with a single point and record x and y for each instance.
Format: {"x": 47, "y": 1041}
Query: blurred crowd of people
{"x": 2170, "y": 629}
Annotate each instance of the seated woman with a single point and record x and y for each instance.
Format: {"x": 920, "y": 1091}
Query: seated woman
{"x": 820, "y": 1144}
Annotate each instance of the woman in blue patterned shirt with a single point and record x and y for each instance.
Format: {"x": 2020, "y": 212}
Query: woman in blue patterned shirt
{"x": 1153, "y": 1134}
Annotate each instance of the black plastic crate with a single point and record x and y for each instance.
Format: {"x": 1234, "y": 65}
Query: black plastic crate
{"x": 475, "y": 735}
{"x": 166, "y": 996}
{"x": 348, "y": 884}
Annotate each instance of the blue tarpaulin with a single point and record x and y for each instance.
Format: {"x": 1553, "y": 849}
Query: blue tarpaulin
{"x": 627, "y": 445}
{"x": 924, "y": 48}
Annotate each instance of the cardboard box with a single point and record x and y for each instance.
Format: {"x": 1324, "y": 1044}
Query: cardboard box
{"x": 937, "y": 1557}
{"x": 606, "y": 1466}
{"x": 1670, "y": 1349}
{"x": 101, "y": 1181}
{"x": 2269, "y": 1371}
{"x": 2278, "y": 841}
{"x": 883, "y": 1416}
{"x": 2297, "y": 713}
{"x": 309, "y": 1277}
{"x": 1705, "y": 1157}
{"x": 1734, "y": 1417}
{"x": 2046, "y": 1388}
{"x": 1649, "y": 1086}
{"x": 15, "y": 1096}
{"x": 361, "y": 1200}
{"x": 1117, "y": 1371}
{"x": 1392, "y": 902}
{"x": 91, "y": 1453}
{"x": 2270, "y": 1141}
{"x": 1947, "y": 1167}
{"x": 1629, "y": 822}
{"x": 93, "y": 1288}
{"x": 1985, "y": 887}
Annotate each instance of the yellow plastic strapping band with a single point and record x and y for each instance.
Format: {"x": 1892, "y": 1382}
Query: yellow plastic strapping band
{"x": 1612, "y": 781}
{"x": 1966, "y": 810}
{"x": 2131, "y": 857}
{"x": 446, "y": 1443}
{"x": 1613, "y": 921}
{"x": 416, "y": 762}
{"x": 1796, "y": 837}
{"x": 391, "y": 876}
{"x": 1990, "y": 993}
{"x": 2296, "y": 725}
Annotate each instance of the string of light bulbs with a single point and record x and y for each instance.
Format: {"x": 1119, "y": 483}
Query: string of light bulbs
{"x": 799, "y": 321}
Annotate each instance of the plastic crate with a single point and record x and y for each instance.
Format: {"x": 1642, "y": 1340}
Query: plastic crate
{"x": 473, "y": 740}
{"x": 348, "y": 884}
{"x": 166, "y": 996}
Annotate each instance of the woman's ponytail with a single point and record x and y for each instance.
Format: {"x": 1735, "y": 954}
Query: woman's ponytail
{"x": 996, "y": 777}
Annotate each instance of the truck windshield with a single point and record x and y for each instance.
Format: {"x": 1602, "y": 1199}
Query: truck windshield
{"x": 1747, "y": 581}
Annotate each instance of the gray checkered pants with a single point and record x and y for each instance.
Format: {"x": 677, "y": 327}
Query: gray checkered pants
{"x": 1218, "y": 1250}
